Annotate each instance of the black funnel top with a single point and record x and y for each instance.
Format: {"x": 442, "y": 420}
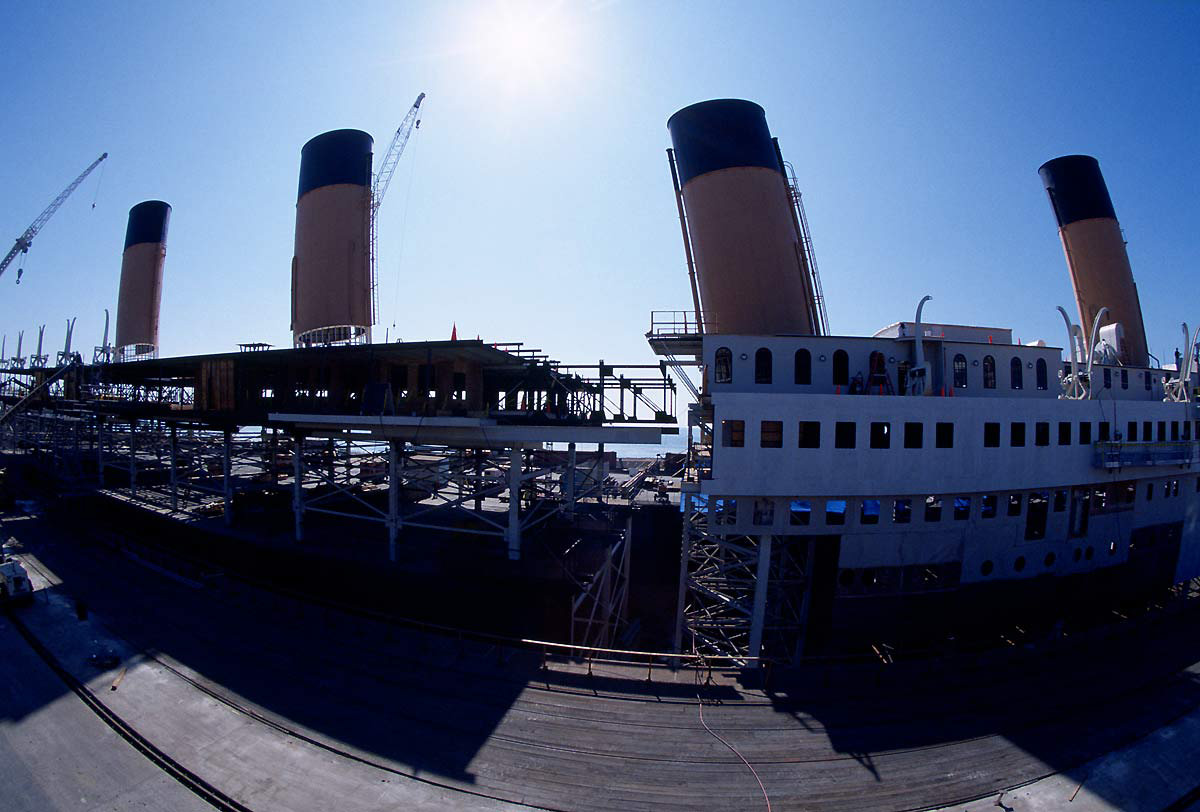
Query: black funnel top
{"x": 340, "y": 156}
{"x": 148, "y": 223}
{"x": 1076, "y": 188}
{"x": 720, "y": 134}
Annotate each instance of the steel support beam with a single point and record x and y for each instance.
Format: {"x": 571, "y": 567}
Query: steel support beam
{"x": 761, "y": 584}
{"x": 227, "y": 474}
{"x": 298, "y": 484}
{"x": 512, "y": 533}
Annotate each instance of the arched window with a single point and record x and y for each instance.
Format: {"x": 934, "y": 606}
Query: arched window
{"x": 960, "y": 371}
{"x": 902, "y": 377}
{"x": 762, "y": 365}
{"x": 1014, "y": 379}
{"x": 1041, "y": 373}
{"x": 723, "y": 372}
{"x": 877, "y": 375}
{"x": 989, "y": 372}
{"x": 803, "y": 367}
{"x": 841, "y": 368}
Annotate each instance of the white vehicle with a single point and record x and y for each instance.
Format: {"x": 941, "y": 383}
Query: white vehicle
{"x": 14, "y": 582}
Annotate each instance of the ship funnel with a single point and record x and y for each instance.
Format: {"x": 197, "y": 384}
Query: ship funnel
{"x": 141, "y": 280}
{"x": 1095, "y": 251}
{"x": 745, "y": 239}
{"x": 331, "y": 268}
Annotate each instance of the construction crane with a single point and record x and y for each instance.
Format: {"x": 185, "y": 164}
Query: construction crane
{"x": 383, "y": 178}
{"x": 21, "y": 246}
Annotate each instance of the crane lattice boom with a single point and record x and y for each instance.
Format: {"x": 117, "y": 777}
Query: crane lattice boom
{"x": 383, "y": 177}
{"x": 23, "y": 242}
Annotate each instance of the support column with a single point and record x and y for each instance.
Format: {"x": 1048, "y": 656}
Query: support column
{"x": 227, "y": 473}
{"x": 601, "y": 477}
{"x": 133, "y": 458}
{"x": 274, "y": 455}
{"x": 569, "y": 486}
{"x": 174, "y": 467}
{"x": 512, "y": 533}
{"x": 478, "y": 480}
{"x": 685, "y": 555}
{"x": 100, "y": 452}
{"x": 761, "y": 580}
{"x": 298, "y": 484}
{"x": 395, "y": 488}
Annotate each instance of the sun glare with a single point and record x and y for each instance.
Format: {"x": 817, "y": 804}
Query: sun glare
{"x": 522, "y": 46}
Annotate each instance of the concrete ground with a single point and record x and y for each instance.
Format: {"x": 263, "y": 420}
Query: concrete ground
{"x": 282, "y": 704}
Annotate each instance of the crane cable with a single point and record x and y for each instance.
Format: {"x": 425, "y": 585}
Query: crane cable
{"x": 412, "y": 171}
{"x": 99, "y": 181}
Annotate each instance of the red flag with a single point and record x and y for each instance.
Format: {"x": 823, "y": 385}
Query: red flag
{"x": 454, "y": 333}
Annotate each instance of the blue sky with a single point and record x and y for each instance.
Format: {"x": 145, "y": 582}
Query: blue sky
{"x": 535, "y": 204}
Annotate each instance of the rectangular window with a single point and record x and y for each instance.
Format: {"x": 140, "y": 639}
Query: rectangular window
{"x": 1131, "y": 432}
{"x": 1077, "y": 522}
{"x": 914, "y": 435}
{"x": 1016, "y": 436}
{"x": 810, "y": 434}
{"x": 733, "y": 433}
{"x": 844, "y": 435}
{"x": 835, "y": 510}
{"x": 1014, "y": 504}
{"x": 987, "y": 509}
{"x": 801, "y": 512}
{"x": 991, "y": 435}
{"x": 1174, "y": 487}
{"x": 881, "y": 435}
{"x": 771, "y": 434}
{"x": 1187, "y": 431}
{"x": 1174, "y": 431}
{"x": 962, "y": 508}
{"x": 1041, "y": 434}
{"x": 869, "y": 512}
{"x": 933, "y": 508}
{"x": 1064, "y": 433}
{"x": 944, "y": 435}
{"x": 1162, "y": 431}
{"x": 764, "y": 512}
{"x": 1166, "y": 489}
{"x": 1085, "y": 433}
{"x": 728, "y": 508}
{"x": 1105, "y": 436}
{"x": 1147, "y": 431}
{"x": 1060, "y": 501}
{"x": 1149, "y": 491}
{"x": 902, "y": 509}
{"x": 1035, "y": 517}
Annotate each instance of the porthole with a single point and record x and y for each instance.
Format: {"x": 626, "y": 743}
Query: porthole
{"x": 1076, "y": 555}
{"x": 975, "y": 363}
{"x": 1050, "y": 559}
{"x": 820, "y": 357}
{"x": 986, "y": 568}
{"x": 1019, "y": 564}
{"x": 891, "y": 359}
{"x": 1029, "y": 365}
{"x": 1089, "y": 553}
{"x": 743, "y": 356}
{"x": 846, "y": 578}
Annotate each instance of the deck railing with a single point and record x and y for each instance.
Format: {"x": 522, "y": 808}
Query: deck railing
{"x": 1133, "y": 455}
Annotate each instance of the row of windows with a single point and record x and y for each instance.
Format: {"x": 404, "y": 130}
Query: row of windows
{"x": 845, "y": 433}
{"x": 764, "y": 370}
{"x": 1082, "y": 501}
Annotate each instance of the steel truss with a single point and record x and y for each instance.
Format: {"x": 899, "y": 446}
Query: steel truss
{"x": 740, "y": 596}
{"x": 192, "y": 470}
